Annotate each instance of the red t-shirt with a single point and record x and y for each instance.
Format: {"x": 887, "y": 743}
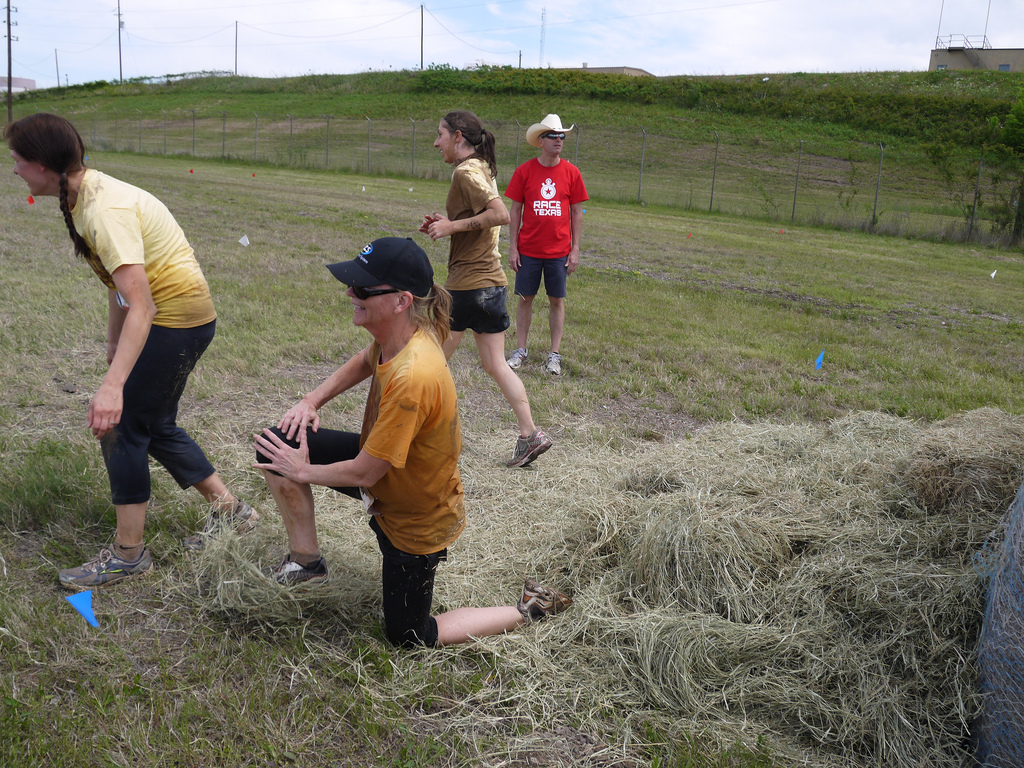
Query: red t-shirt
{"x": 546, "y": 194}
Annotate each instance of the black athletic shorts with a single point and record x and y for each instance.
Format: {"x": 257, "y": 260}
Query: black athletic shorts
{"x": 484, "y": 310}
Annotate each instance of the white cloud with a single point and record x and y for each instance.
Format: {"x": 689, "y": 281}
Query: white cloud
{"x": 80, "y": 37}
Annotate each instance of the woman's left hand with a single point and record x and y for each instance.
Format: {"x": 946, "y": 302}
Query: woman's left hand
{"x": 285, "y": 460}
{"x": 105, "y": 409}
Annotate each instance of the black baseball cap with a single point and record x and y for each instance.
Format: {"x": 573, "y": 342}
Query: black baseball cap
{"x": 396, "y": 261}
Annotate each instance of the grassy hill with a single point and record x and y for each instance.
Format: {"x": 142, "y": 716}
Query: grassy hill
{"x": 894, "y": 152}
{"x": 917, "y": 106}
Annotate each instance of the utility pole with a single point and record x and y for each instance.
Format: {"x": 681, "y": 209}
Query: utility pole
{"x": 543, "y": 14}
{"x": 10, "y": 38}
{"x": 120, "y": 24}
{"x": 421, "y": 37}
{"x": 236, "y": 49}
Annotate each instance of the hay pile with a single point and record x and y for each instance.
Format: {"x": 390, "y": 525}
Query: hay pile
{"x": 819, "y": 581}
{"x": 812, "y": 586}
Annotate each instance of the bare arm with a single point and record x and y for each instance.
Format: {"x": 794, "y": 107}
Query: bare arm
{"x": 515, "y": 223}
{"x": 304, "y": 413}
{"x": 127, "y": 331}
{"x": 495, "y": 214}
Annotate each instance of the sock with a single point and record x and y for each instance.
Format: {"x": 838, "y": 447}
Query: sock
{"x": 128, "y": 553}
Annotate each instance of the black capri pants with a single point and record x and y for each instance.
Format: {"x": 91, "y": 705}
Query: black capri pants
{"x": 149, "y": 416}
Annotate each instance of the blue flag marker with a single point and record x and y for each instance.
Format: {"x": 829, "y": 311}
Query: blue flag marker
{"x": 83, "y": 604}
{"x": 819, "y": 361}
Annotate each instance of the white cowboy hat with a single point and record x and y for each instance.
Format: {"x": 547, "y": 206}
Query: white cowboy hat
{"x": 549, "y": 123}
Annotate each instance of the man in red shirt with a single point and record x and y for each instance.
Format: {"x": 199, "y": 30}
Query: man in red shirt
{"x": 547, "y": 195}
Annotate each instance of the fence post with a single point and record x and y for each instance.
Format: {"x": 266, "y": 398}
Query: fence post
{"x": 412, "y": 170}
{"x": 289, "y": 139}
{"x": 369, "y": 125}
{"x": 518, "y": 129}
{"x": 193, "y": 132}
{"x": 223, "y": 133}
{"x": 115, "y": 129}
{"x": 576, "y": 157}
{"x": 714, "y": 172}
{"x": 327, "y": 144}
{"x": 643, "y": 150}
{"x": 256, "y": 138}
{"x": 796, "y": 186}
{"x": 977, "y": 193}
{"x": 878, "y": 184}
{"x": 140, "y": 130}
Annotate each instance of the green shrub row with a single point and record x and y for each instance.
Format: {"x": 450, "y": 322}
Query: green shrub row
{"x": 924, "y": 106}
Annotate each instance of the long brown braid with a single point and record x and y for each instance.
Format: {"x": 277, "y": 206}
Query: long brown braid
{"x": 474, "y": 132}
{"x": 54, "y": 143}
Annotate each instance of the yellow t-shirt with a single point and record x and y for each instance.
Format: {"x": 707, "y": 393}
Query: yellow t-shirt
{"x": 473, "y": 258}
{"x": 412, "y": 421}
{"x": 126, "y": 225}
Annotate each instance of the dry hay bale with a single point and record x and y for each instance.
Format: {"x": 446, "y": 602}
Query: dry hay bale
{"x": 968, "y": 465}
{"x": 230, "y": 576}
{"x": 704, "y": 559}
{"x": 779, "y": 573}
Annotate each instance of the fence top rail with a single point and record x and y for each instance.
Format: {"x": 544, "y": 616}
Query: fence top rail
{"x": 962, "y": 41}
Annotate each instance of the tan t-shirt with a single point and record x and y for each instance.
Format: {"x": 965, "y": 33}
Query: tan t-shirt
{"x": 473, "y": 258}
{"x": 412, "y": 421}
{"x": 126, "y": 225}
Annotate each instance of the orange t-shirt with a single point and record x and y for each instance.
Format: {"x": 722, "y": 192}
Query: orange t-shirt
{"x": 412, "y": 421}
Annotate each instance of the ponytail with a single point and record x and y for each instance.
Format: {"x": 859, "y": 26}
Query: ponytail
{"x": 473, "y": 131}
{"x": 433, "y": 312}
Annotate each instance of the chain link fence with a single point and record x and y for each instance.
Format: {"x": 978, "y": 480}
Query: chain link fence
{"x": 864, "y": 186}
{"x": 1000, "y": 730}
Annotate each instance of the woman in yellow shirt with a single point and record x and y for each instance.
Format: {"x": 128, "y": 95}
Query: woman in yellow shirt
{"x": 161, "y": 319}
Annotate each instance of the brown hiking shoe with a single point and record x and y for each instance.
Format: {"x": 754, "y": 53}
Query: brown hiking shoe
{"x": 539, "y": 602}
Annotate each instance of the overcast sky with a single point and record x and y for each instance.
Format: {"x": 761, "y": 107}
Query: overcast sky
{"x": 79, "y": 38}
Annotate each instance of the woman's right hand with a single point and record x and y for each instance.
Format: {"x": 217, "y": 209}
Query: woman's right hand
{"x": 429, "y": 219}
{"x": 298, "y": 417}
{"x": 105, "y": 409}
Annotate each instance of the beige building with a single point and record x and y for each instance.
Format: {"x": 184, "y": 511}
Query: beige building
{"x": 974, "y": 52}
{"x": 631, "y": 71}
{"x": 18, "y": 84}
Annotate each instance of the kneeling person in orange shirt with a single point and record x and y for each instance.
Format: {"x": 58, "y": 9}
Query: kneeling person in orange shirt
{"x": 403, "y": 465}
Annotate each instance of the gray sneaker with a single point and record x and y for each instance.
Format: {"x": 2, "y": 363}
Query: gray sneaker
{"x": 289, "y": 573}
{"x": 105, "y": 568}
{"x": 554, "y": 364}
{"x": 529, "y": 448}
{"x": 243, "y": 519}
{"x": 517, "y": 358}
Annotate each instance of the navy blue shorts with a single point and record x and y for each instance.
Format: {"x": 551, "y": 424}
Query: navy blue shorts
{"x": 484, "y": 310}
{"x": 407, "y": 579}
{"x": 149, "y": 416}
{"x": 531, "y": 268}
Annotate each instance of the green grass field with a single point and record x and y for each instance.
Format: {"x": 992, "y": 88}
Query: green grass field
{"x": 677, "y": 322}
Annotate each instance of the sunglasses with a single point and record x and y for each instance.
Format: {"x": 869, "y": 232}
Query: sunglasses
{"x": 365, "y": 293}
{"x": 553, "y": 136}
